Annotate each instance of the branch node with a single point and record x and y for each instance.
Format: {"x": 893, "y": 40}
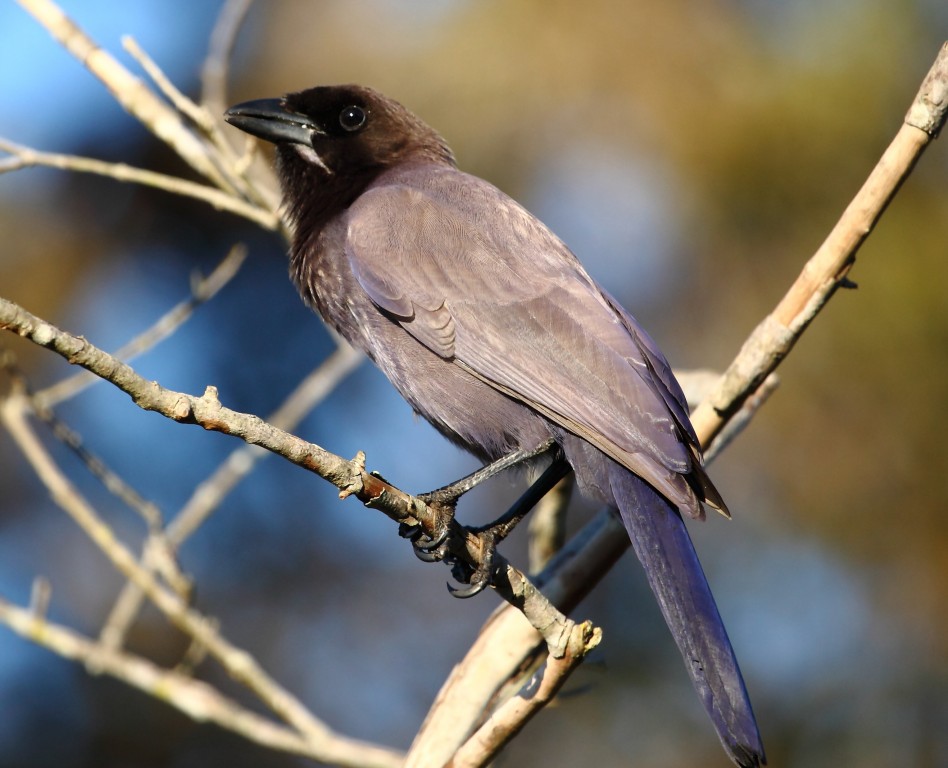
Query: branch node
{"x": 588, "y": 635}
{"x": 44, "y": 335}
{"x": 355, "y": 485}
{"x": 845, "y": 282}
{"x": 210, "y": 397}
{"x": 181, "y": 410}
{"x": 928, "y": 111}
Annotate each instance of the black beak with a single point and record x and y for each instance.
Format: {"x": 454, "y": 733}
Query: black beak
{"x": 269, "y": 119}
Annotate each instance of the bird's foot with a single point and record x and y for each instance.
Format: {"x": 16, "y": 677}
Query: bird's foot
{"x": 430, "y": 543}
{"x": 432, "y": 540}
{"x": 478, "y": 578}
{"x": 475, "y": 578}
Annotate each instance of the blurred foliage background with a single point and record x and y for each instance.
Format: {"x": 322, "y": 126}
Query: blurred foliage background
{"x": 693, "y": 153}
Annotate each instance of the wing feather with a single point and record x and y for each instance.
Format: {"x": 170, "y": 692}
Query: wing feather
{"x": 514, "y": 307}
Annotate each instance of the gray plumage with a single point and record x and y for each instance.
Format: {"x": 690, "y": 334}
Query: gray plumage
{"x": 491, "y": 329}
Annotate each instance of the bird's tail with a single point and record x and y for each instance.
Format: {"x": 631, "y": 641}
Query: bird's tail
{"x": 663, "y": 546}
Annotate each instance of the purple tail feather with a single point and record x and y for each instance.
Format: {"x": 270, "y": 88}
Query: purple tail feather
{"x": 664, "y": 548}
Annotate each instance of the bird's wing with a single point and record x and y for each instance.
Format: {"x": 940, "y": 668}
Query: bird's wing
{"x": 477, "y": 279}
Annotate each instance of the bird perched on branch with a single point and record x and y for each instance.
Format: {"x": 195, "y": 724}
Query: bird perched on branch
{"x": 491, "y": 329}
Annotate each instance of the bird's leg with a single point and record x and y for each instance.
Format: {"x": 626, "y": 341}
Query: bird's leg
{"x": 428, "y": 546}
{"x": 491, "y": 535}
{"x": 450, "y": 494}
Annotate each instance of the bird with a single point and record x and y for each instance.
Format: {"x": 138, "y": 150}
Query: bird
{"x": 492, "y": 330}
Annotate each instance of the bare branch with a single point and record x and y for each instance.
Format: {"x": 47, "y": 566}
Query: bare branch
{"x": 196, "y": 699}
{"x": 202, "y": 290}
{"x": 510, "y": 718}
{"x": 209, "y": 494}
{"x": 228, "y": 162}
{"x": 27, "y": 156}
{"x": 169, "y": 90}
{"x": 260, "y": 176}
{"x": 238, "y": 663}
{"x": 507, "y": 648}
{"x": 129, "y": 91}
{"x": 223, "y": 37}
{"x": 930, "y": 107}
{"x": 737, "y": 423}
{"x": 308, "y": 393}
{"x": 114, "y": 484}
{"x": 205, "y": 411}
{"x": 773, "y": 339}
{"x": 213, "y": 160}
{"x": 73, "y": 441}
{"x": 349, "y": 476}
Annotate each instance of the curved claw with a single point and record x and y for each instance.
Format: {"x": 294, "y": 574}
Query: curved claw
{"x": 426, "y": 543}
{"x": 428, "y": 555}
{"x": 480, "y": 579}
{"x": 417, "y": 536}
{"x": 410, "y": 532}
{"x": 474, "y": 588}
{"x": 428, "y": 550}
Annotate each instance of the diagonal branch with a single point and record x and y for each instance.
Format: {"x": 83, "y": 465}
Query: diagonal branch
{"x": 203, "y": 289}
{"x": 349, "y": 476}
{"x": 772, "y": 340}
{"x": 223, "y": 37}
{"x": 239, "y": 664}
{"x": 209, "y": 494}
{"x": 129, "y": 91}
{"x": 196, "y": 699}
{"x": 25, "y": 157}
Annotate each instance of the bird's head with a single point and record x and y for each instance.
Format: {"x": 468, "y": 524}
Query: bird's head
{"x": 333, "y": 141}
{"x": 344, "y": 130}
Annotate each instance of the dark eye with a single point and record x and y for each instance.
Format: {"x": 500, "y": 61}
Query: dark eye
{"x": 352, "y": 118}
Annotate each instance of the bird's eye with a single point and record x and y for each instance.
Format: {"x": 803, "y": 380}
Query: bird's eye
{"x": 352, "y": 118}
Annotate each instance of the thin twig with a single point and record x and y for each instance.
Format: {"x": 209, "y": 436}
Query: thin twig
{"x": 223, "y": 37}
{"x": 202, "y": 290}
{"x": 21, "y": 398}
{"x": 112, "y": 482}
{"x": 24, "y": 157}
{"x": 196, "y": 114}
{"x": 307, "y": 394}
{"x": 260, "y": 176}
{"x": 773, "y": 339}
{"x": 238, "y": 663}
{"x": 208, "y": 495}
{"x": 350, "y": 477}
{"x": 209, "y": 125}
{"x": 198, "y": 700}
{"x": 129, "y": 91}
